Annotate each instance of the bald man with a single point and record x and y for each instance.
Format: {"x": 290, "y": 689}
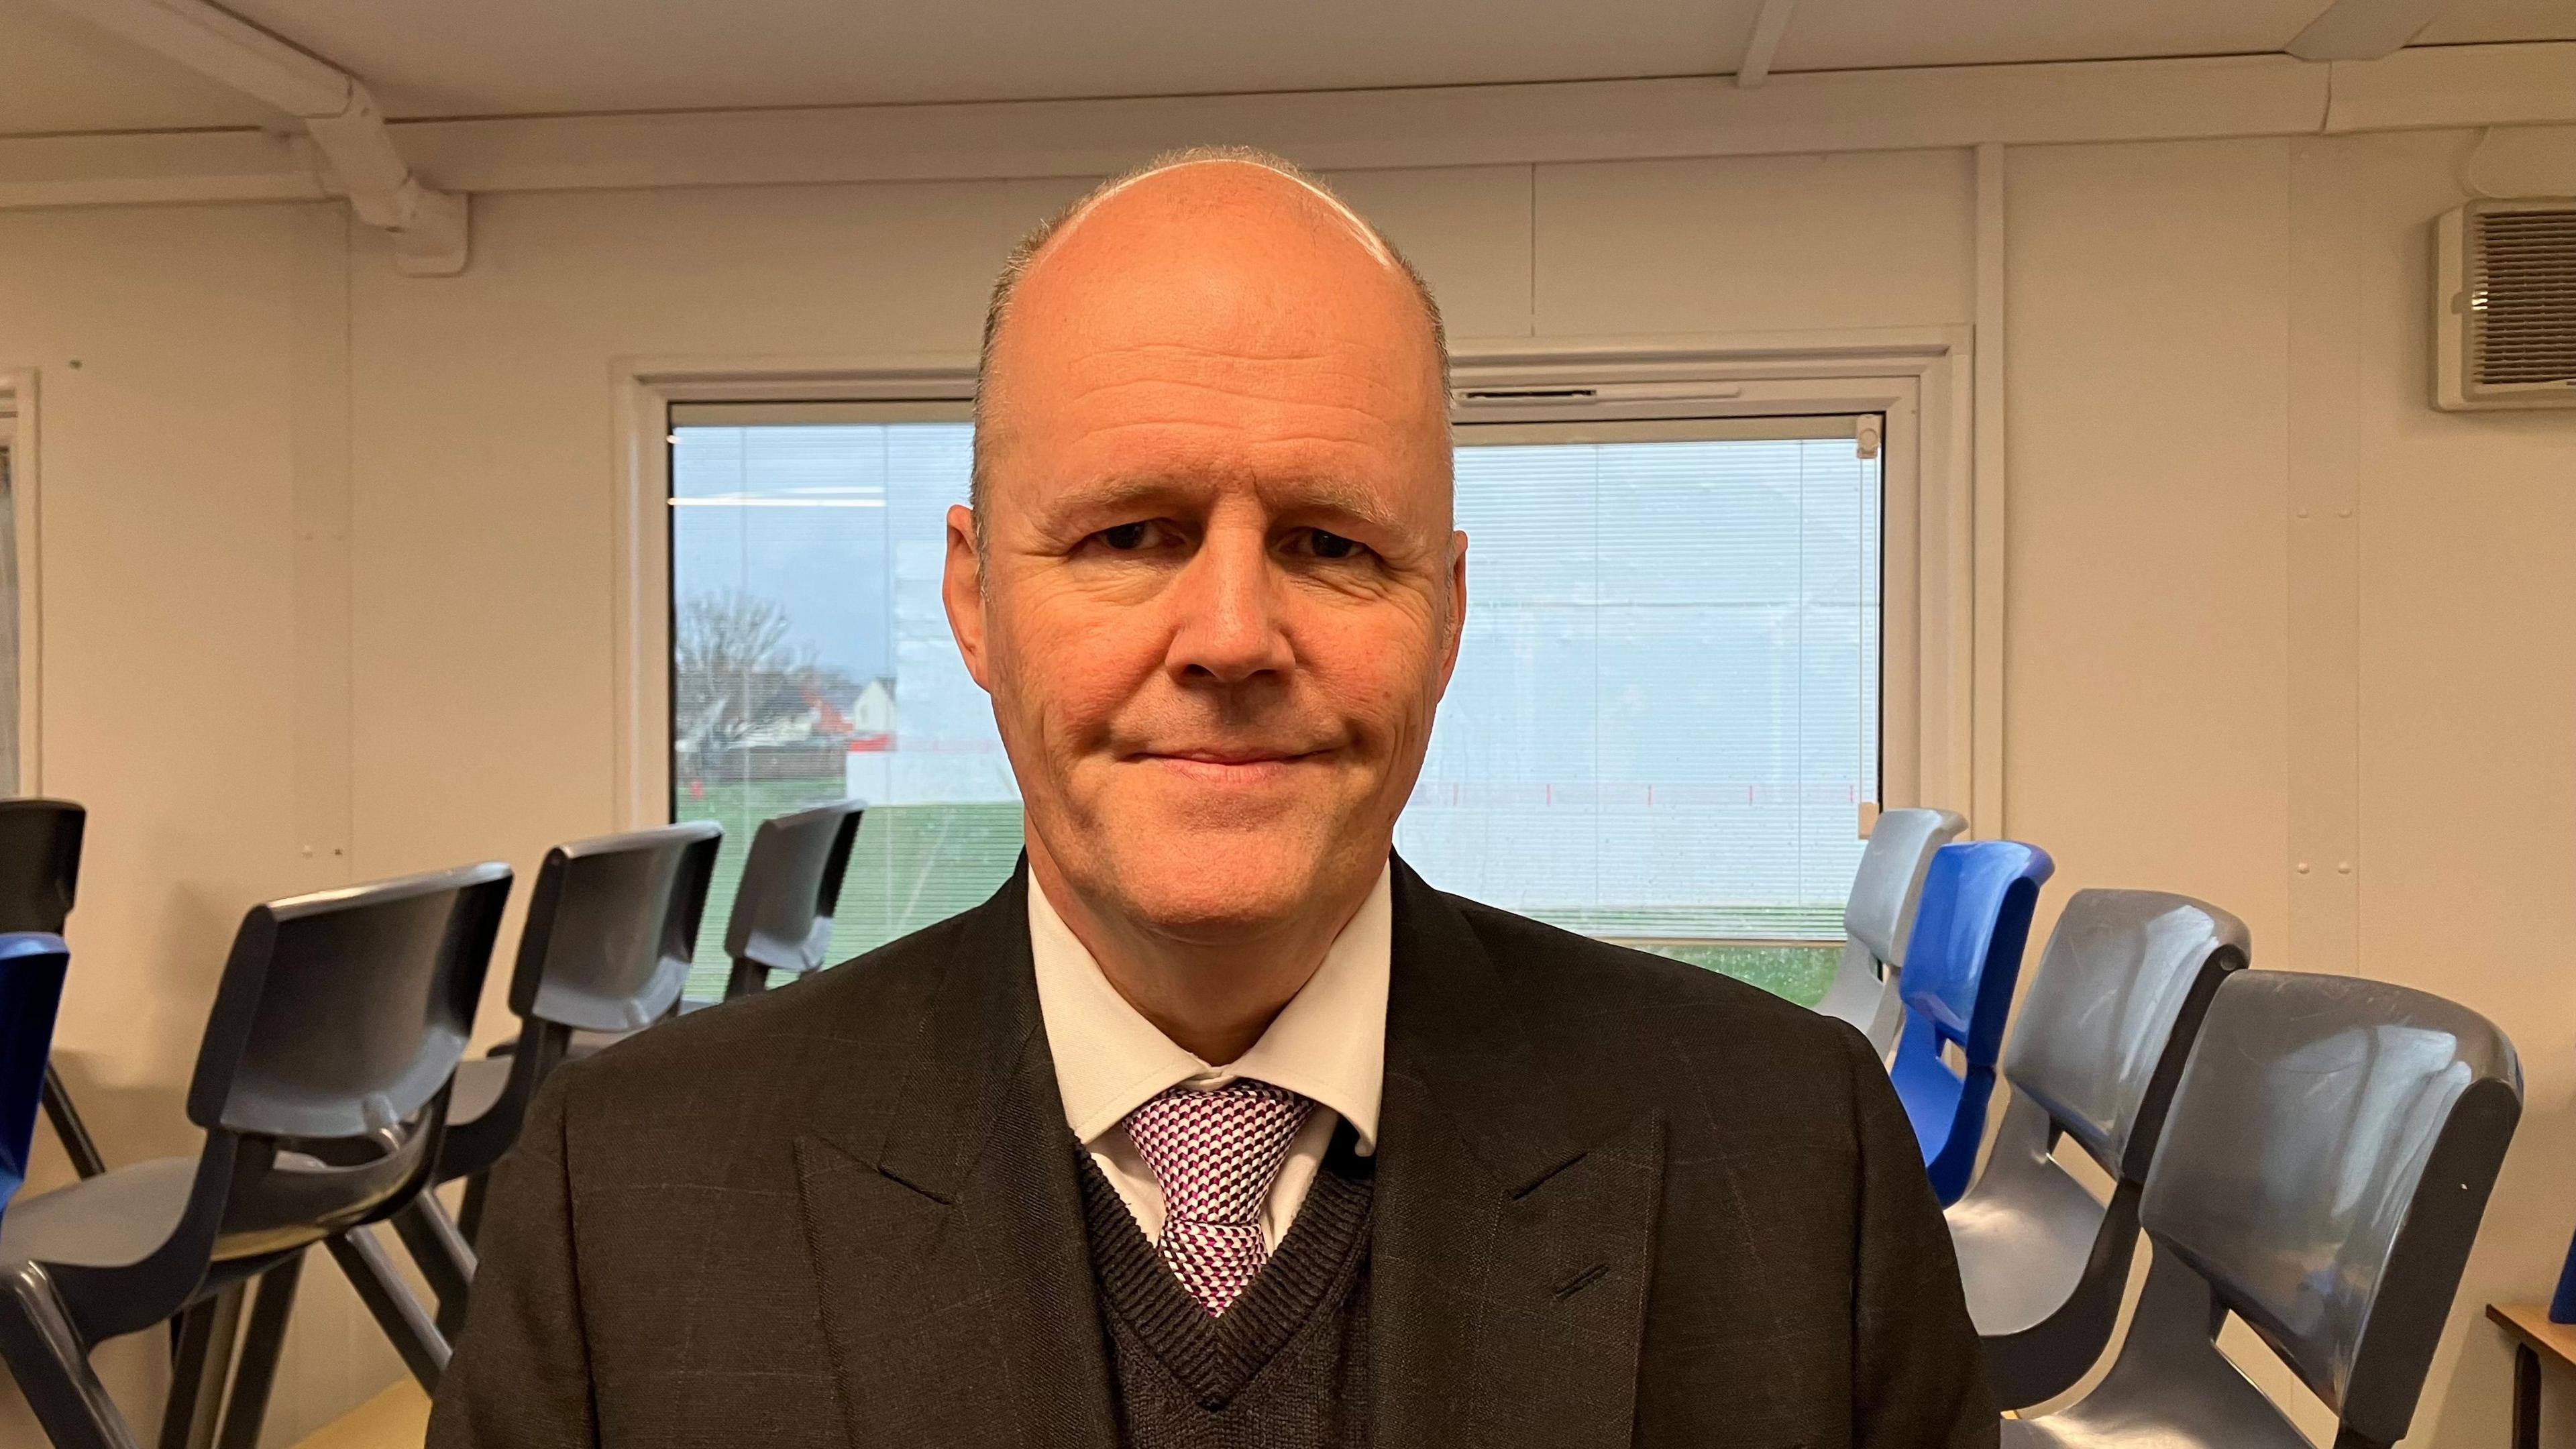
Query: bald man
{"x": 1216, "y": 1126}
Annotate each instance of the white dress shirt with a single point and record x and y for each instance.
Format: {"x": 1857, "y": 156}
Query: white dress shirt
{"x": 1327, "y": 1044}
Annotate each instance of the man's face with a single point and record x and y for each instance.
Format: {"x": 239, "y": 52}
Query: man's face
{"x": 1219, "y": 595}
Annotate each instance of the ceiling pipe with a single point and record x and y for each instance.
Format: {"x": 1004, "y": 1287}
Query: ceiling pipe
{"x": 2364, "y": 29}
{"x": 1764, "y": 45}
{"x": 428, "y": 226}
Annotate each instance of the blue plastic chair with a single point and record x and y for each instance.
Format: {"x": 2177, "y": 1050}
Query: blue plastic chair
{"x": 31, "y": 986}
{"x": 1960, "y": 965}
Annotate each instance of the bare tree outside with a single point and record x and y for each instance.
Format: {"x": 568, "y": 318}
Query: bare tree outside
{"x": 736, "y": 676}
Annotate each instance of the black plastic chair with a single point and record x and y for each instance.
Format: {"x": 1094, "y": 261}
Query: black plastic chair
{"x": 791, "y": 885}
{"x": 40, "y": 853}
{"x": 611, "y": 925}
{"x": 2097, "y": 1046}
{"x": 321, "y": 1085}
{"x": 2328, "y": 1156}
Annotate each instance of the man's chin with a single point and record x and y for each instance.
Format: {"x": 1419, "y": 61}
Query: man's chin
{"x": 1228, "y": 887}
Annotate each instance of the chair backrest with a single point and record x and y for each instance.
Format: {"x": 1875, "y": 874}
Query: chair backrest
{"x": 791, "y": 884}
{"x": 31, "y": 987}
{"x": 1969, "y": 930}
{"x": 40, "y": 850}
{"x": 1886, "y": 888}
{"x": 344, "y": 1012}
{"x": 2328, "y": 1157}
{"x": 1960, "y": 966}
{"x": 611, "y": 925}
{"x": 2103, "y": 1031}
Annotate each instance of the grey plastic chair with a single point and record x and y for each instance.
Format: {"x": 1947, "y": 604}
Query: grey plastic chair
{"x": 1879, "y": 916}
{"x": 791, "y": 884}
{"x": 2327, "y": 1159}
{"x": 2096, "y": 1050}
{"x": 40, "y": 854}
{"x": 321, "y": 1087}
{"x": 611, "y": 925}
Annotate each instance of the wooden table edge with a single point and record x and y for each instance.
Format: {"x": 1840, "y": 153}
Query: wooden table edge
{"x": 2529, "y": 1323}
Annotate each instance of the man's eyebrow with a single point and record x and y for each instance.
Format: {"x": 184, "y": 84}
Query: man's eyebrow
{"x": 1299, "y": 496}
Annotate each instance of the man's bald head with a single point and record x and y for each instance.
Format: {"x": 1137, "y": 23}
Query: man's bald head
{"x": 1210, "y": 189}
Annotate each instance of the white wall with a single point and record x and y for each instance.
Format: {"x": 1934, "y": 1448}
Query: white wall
{"x": 328, "y": 550}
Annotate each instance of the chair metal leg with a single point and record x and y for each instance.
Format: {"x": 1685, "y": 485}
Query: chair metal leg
{"x": 262, "y": 1343}
{"x": 442, "y": 1256}
{"x": 51, "y": 1364}
{"x": 414, "y": 1333}
{"x": 205, "y": 1359}
{"x": 748, "y": 979}
{"x": 469, "y": 1216}
{"x": 68, "y": 1126}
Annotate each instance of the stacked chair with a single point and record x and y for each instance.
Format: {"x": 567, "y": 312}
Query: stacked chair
{"x": 1960, "y": 965}
{"x": 610, "y": 930}
{"x": 321, "y": 1086}
{"x": 1879, "y": 917}
{"x": 333, "y": 1092}
{"x": 2094, "y": 1057}
{"x": 791, "y": 885}
{"x": 2328, "y": 1155}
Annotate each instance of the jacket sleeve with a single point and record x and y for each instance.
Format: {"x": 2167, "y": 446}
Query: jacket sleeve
{"x": 1919, "y": 1374}
{"x": 520, "y": 1377}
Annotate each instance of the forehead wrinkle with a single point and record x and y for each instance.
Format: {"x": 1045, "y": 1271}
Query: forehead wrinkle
{"x": 1115, "y": 386}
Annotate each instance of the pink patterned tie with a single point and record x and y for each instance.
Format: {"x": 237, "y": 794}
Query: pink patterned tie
{"x": 1216, "y": 1154}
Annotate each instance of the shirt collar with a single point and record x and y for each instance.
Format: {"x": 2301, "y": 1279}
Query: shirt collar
{"x": 1328, "y": 1043}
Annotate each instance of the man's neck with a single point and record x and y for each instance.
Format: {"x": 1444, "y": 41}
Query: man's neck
{"x": 1214, "y": 998}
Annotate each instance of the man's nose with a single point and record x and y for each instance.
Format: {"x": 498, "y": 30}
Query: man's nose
{"x": 1227, "y": 612}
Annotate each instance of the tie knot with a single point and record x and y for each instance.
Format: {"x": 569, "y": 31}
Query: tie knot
{"x": 1215, "y": 1153}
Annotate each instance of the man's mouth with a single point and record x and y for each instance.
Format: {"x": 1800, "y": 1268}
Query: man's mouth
{"x": 1230, "y": 766}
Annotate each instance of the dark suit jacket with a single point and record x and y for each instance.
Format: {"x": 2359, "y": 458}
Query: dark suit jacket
{"x": 1620, "y": 1200}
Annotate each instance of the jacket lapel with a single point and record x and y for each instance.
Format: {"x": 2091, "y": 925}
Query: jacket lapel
{"x": 946, "y": 1229}
{"x": 1514, "y": 1241}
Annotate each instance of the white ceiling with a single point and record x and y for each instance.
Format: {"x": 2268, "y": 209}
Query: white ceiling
{"x": 518, "y": 57}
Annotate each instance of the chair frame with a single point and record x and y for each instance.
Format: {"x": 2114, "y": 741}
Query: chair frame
{"x": 1920, "y": 1075}
{"x": 442, "y": 1246}
{"x": 372, "y": 1159}
{"x": 2170, "y": 1379}
{"x": 755, "y": 954}
{"x": 2022, "y": 1178}
{"x": 1864, "y": 990}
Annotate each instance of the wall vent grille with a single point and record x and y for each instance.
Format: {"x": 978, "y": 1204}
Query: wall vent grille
{"x": 2522, "y": 297}
{"x": 2505, "y": 305}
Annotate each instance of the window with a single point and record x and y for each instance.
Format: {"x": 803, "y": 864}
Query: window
{"x": 1663, "y": 725}
{"x": 12, "y": 779}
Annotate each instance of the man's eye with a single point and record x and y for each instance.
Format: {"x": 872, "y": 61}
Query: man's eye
{"x": 1128, "y": 536}
{"x": 1330, "y": 545}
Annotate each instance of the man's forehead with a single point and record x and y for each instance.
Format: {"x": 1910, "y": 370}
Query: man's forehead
{"x": 1248, "y": 185}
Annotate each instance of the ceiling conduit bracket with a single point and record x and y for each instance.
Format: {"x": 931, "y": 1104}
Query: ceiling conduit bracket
{"x": 428, "y": 226}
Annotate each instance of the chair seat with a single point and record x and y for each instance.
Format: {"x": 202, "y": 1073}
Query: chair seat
{"x": 106, "y": 1221}
{"x": 120, "y": 1218}
{"x": 479, "y": 1083}
{"x": 2023, "y": 1241}
{"x": 2176, "y": 1415}
{"x": 590, "y": 1043}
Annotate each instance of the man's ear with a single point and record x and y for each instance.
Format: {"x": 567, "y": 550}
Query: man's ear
{"x": 961, "y": 589}
{"x": 1457, "y": 606}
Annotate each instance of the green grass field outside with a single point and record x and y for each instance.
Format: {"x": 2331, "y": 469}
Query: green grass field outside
{"x": 915, "y": 865}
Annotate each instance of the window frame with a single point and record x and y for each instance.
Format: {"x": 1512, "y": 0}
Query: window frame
{"x": 18, "y": 433}
{"x": 1939, "y": 702}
